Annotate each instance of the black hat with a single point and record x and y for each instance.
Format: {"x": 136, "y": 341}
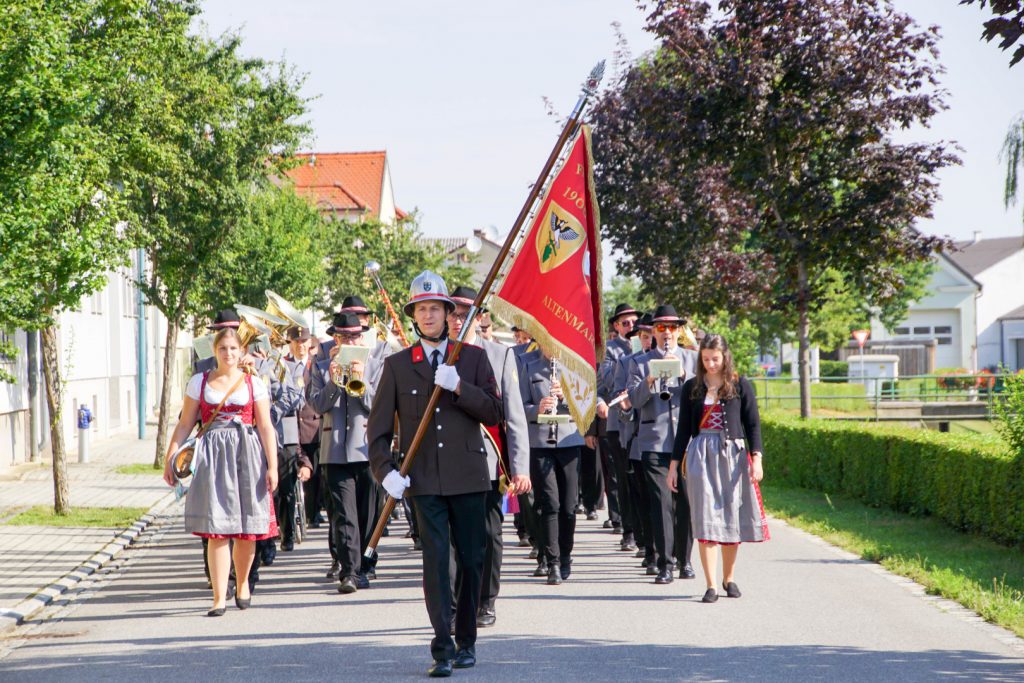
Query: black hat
{"x": 642, "y": 325}
{"x": 354, "y": 304}
{"x": 345, "y": 323}
{"x": 298, "y": 334}
{"x": 666, "y": 313}
{"x": 226, "y": 318}
{"x": 621, "y": 310}
{"x": 465, "y": 296}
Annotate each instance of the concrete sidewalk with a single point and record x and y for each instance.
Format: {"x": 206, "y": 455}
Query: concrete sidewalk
{"x": 38, "y": 563}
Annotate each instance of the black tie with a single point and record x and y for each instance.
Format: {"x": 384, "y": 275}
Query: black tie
{"x": 433, "y": 359}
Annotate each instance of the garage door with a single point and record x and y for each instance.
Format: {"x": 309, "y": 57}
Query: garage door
{"x": 942, "y": 326}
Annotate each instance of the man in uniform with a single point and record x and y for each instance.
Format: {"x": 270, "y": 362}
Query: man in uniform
{"x": 622, "y": 321}
{"x": 639, "y": 501}
{"x": 449, "y": 479}
{"x": 658, "y": 421}
{"x": 351, "y": 491}
{"x": 510, "y": 435}
{"x": 292, "y": 461}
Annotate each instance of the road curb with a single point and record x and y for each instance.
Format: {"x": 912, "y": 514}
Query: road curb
{"x": 11, "y": 618}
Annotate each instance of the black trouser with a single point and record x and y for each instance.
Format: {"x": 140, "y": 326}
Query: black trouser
{"x": 284, "y": 496}
{"x": 410, "y": 517}
{"x": 611, "y": 482}
{"x": 641, "y": 504}
{"x": 445, "y": 521}
{"x": 554, "y": 475}
{"x": 490, "y": 581}
{"x": 352, "y": 506}
{"x": 619, "y": 466}
{"x": 591, "y": 479}
{"x": 313, "y": 488}
{"x": 684, "y": 530}
{"x": 660, "y": 507}
{"x": 529, "y": 517}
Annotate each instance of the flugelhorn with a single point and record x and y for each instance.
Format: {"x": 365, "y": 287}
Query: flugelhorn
{"x": 341, "y": 369}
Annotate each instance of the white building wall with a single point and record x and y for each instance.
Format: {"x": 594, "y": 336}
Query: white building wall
{"x": 14, "y": 422}
{"x": 1003, "y": 292}
{"x": 1013, "y": 344}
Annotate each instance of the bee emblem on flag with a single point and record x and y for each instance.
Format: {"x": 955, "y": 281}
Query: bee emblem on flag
{"x": 559, "y": 239}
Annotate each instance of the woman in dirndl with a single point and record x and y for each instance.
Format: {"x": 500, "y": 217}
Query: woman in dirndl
{"x": 234, "y": 467}
{"x": 718, "y": 444}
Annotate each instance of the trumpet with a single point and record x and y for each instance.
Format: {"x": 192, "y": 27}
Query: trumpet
{"x": 553, "y": 426}
{"x": 344, "y": 378}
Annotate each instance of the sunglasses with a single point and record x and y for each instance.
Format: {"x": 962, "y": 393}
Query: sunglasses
{"x": 663, "y": 327}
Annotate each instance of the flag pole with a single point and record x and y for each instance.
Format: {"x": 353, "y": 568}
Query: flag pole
{"x": 589, "y": 90}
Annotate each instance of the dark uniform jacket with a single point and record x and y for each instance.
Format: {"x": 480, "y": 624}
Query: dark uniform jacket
{"x": 451, "y": 459}
{"x": 740, "y": 417}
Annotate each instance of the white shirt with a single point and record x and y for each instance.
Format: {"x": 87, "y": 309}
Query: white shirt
{"x": 429, "y": 351}
{"x": 239, "y": 398}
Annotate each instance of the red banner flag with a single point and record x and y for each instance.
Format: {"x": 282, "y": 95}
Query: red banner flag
{"x": 553, "y": 288}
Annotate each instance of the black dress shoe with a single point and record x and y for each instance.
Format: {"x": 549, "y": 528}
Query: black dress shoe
{"x": 565, "y": 569}
{"x": 652, "y": 569}
{"x": 607, "y": 524}
{"x": 710, "y": 596}
{"x": 348, "y": 585}
{"x": 287, "y": 546}
{"x": 627, "y": 544}
{"x": 442, "y": 669}
{"x": 731, "y": 590}
{"x": 332, "y": 573}
{"x": 524, "y": 543}
{"x": 592, "y": 516}
{"x": 417, "y": 544}
{"x": 371, "y": 573}
{"x": 541, "y": 570}
{"x": 465, "y": 658}
{"x": 218, "y": 612}
{"x": 640, "y": 552}
{"x": 362, "y": 581}
{"x": 554, "y": 576}
{"x": 664, "y": 577}
{"x": 486, "y": 617}
{"x": 534, "y": 554}
{"x": 687, "y": 572}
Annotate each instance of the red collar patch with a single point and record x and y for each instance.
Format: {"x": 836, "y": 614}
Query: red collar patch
{"x": 417, "y": 354}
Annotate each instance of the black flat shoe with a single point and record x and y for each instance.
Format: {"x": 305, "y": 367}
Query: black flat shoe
{"x": 219, "y": 612}
{"x": 710, "y": 596}
{"x": 442, "y": 669}
{"x": 243, "y": 604}
{"x": 731, "y": 590}
{"x": 465, "y": 658}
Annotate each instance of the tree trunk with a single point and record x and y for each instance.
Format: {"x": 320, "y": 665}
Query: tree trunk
{"x": 54, "y": 396}
{"x": 804, "y": 333}
{"x": 170, "y": 352}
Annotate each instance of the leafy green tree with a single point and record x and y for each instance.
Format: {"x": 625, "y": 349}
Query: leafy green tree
{"x": 226, "y": 126}
{"x": 274, "y": 247}
{"x": 751, "y": 154}
{"x": 626, "y": 289}
{"x": 348, "y": 246}
{"x": 72, "y": 93}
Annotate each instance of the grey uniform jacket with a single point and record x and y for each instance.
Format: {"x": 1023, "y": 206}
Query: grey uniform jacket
{"x": 628, "y": 420}
{"x": 535, "y": 384}
{"x": 658, "y": 417}
{"x": 517, "y": 436}
{"x": 614, "y": 351}
{"x": 343, "y": 435}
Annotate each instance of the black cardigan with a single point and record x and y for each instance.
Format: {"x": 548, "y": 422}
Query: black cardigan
{"x": 741, "y": 419}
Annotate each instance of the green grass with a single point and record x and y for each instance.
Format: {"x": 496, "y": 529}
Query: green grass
{"x": 774, "y": 394}
{"x": 974, "y": 571}
{"x": 43, "y": 515}
{"x": 138, "y": 468}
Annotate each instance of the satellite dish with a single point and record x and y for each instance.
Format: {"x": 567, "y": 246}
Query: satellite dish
{"x": 491, "y": 233}
{"x": 473, "y": 244}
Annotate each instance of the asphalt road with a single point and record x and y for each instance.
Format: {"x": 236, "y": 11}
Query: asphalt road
{"x": 809, "y": 612}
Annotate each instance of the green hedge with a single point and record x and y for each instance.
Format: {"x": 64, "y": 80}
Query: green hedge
{"x": 970, "y": 481}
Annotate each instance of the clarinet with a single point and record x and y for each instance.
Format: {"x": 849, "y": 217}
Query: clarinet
{"x": 553, "y": 426}
{"x": 663, "y": 393}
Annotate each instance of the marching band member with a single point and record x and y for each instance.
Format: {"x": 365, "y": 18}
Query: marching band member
{"x": 292, "y": 462}
{"x": 511, "y": 435}
{"x": 554, "y": 466}
{"x": 449, "y": 479}
{"x": 622, "y": 321}
{"x": 351, "y": 493}
{"x": 719, "y": 437}
{"x": 301, "y": 348}
{"x": 658, "y": 403}
{"x": 628, "y": 424}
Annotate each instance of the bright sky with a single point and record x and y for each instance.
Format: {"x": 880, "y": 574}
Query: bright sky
{"x": 453, "y": 91}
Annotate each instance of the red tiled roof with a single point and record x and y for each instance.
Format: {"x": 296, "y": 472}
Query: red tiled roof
{"x": 344, "y": 180}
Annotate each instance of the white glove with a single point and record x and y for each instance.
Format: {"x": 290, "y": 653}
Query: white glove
{"x": 447, "y": 377}
{"x": 395, "y": 484}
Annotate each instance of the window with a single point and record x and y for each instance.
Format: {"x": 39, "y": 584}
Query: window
{"x": 901, "y": 330}
{"x": 922, "y": 330}
{"x": 944, "y": 341}
{"x": 943, "y": 329}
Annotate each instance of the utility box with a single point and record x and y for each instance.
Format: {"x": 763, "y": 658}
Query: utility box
{"x": 871, "y": 370}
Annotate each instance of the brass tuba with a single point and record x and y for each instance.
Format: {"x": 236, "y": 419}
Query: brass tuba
{"x": 282, "y": 308}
